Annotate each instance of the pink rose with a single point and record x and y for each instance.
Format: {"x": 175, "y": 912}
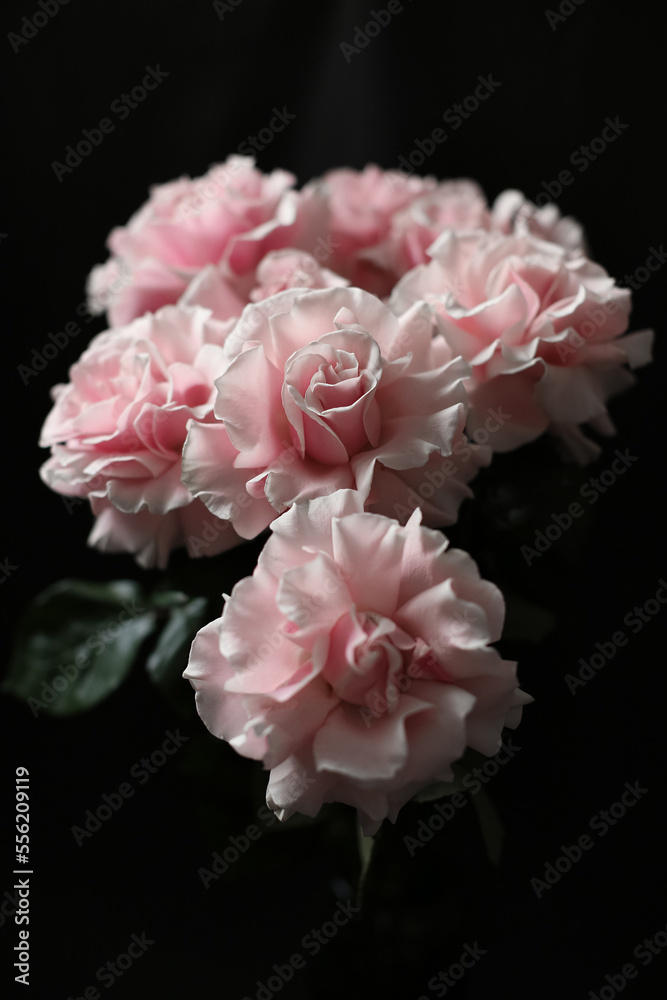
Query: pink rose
{"x": 116, "y": 433}
{"x": 383, "y": 222}
{"x": 355, "y": 662}
{"x": 151, "y": 537}
{"x": 540, "y": 326}
{"x": 233, "y": 215}
{"x": 289, "y": 268}
{"x": 328, "y": 390}
{"x": 362, "y": 206}
{"x": 457, "y": 204}
{"x": 513, "y": 213}
{"x": 279, "y": 271}
{"x": 461, "y": 205}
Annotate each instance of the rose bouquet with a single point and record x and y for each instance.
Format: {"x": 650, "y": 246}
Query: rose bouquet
{"x": 337, "y": 364}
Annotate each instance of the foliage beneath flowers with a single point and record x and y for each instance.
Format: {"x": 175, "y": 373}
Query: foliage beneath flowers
{"x": 78, "y": 641}
{"x": 173, "y": 643}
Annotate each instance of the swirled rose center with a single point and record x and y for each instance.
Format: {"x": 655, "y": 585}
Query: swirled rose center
{"x": 367, "y": 654}
{"x": 333, "y": 385}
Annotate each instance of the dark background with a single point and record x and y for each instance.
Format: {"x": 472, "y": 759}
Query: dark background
{"x": 139, "y": 872}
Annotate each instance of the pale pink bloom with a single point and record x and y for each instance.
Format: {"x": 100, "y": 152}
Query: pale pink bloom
{"x": 279, "y": 271}
{"x": 461, "y": 205}
{"x": 355, "y": 662}
{"x": 383, "y": 222}
{"x": 541, "y": 327}
{"x": 362, "y": 205}
{"x": 328, "y": 390}
{"x": 289, "y": 268}
{"x": 455, "y": 204}
{"x": 231, "y": 216}
{"x": 116, "y": 433}
{"x": 151, "y": 537}
{"x": 512, "y": 212}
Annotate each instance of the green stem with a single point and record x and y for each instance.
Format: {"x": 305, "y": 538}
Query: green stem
{"x": 366, "y": 845}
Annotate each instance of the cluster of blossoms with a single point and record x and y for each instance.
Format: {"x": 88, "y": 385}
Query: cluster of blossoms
{"x": 327, "y": 362}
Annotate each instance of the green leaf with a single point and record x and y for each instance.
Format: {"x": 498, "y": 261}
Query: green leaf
{"x": 170, "y": 656}
{"x": 366, "y": 845}
{"x": 167, "y": 599}
{"x": 76, "y": 643}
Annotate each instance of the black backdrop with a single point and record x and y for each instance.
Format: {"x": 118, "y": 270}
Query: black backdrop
{"x": 560, "y": 76}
